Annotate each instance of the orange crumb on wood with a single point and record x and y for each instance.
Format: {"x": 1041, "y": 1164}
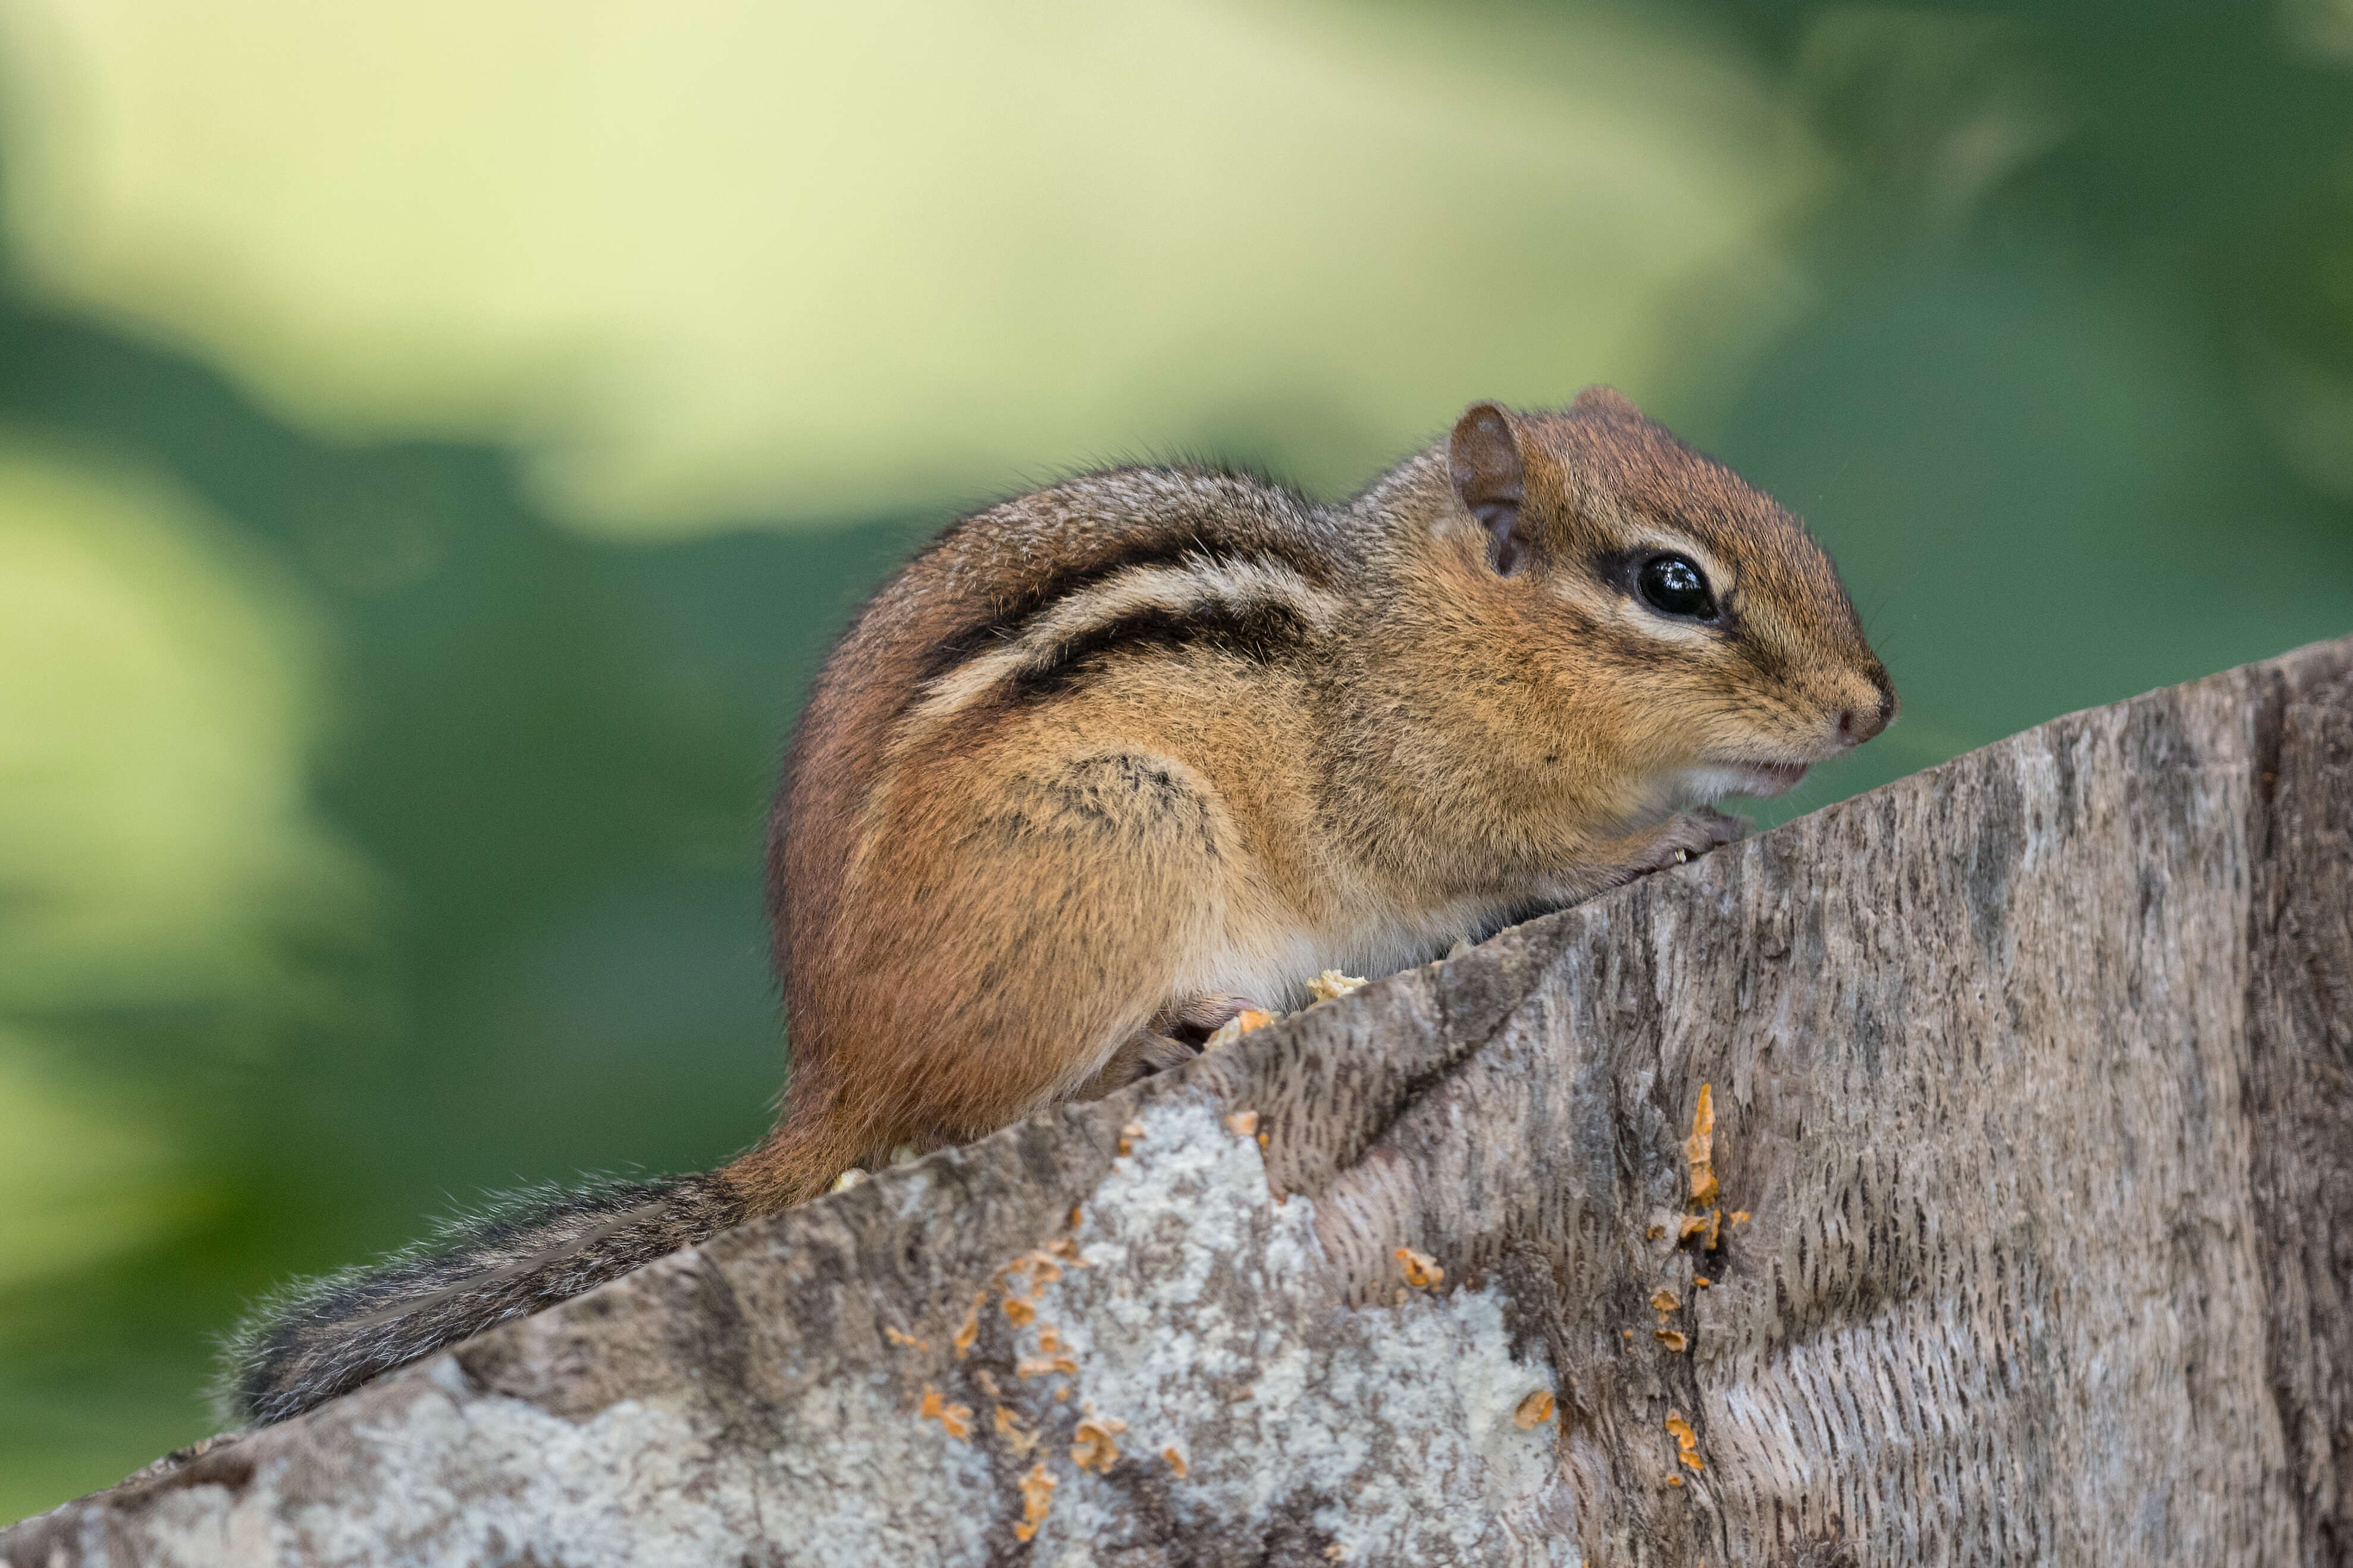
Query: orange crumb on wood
{"x": 1675, "y": 1480}
{"x": 968, "y": 1331}
{"x": 1041, "y": 1366}
{"x": 1699, "y": 1149}
{"x": 1740, "y": 1216}
{"x": 1242, "y": 1124}
{"x": 1654, "y": 1232}
{"x": 1037, "y": 1499}
{"x": 1672, "y": 1338}
{"x": 955, "y": 1418}
{"x": 1686, "y": 1440}
{"x": 1175, "y": 1461}
{"x": 1235, "y": 1027}
{"x": 901, "y": 1337}
{"x": 1019, "y": 1310}
{"x": 1422, "y": 1270}
{"x": 1701, "y": 1280}
{"x": 1714, "y": 1230}
{"x": 1691, "y": 1225}
{"x": 1665, "y": 1299}
{"x": 1533, "y": 1411}
{"x": 1094, "y": 1450}
{"x": 1020, "y": 1439}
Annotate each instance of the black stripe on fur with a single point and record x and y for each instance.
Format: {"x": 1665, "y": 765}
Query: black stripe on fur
{"x": 319, "y": 1338}
{"x": 1259, "y": 630}
{"x": 1004, "y": 623}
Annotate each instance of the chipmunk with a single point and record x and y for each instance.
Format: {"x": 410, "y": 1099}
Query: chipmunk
{"x": 1106, "y": 763}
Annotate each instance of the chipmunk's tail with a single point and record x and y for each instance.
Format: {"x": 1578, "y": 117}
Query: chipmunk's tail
{"x": 535, "y": 1247}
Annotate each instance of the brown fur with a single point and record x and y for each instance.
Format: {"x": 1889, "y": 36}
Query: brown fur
{"x": 974, "y": 912}
{"x": 1107, "y": 761}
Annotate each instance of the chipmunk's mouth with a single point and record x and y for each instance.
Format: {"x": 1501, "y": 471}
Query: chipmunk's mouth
{"x": 1715, "y": 780}
{"x": 1762, "y": 781}
{"x": 1758, "y": 781}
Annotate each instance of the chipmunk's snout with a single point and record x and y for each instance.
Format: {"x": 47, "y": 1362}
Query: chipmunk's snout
{"x": 1861, "y": 720}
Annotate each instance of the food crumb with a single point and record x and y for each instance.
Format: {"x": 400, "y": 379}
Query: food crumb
{"x": 1330, "y": 986}
{"x": 955, "y": 1418}
{"x": 969, "y": 1330}
{"x": 1701, "y": 1280}
{"x": 1675, "y": 1480}
{"x": 1533, "y": 1411}
{"x": 1699, "y": 1149}
{"x": 1036, "y": 1497}
{"x": 1672, "y": 1338}
{"x": 1422, "y": 1270}
{"x": 1020, "y": 1439}
{"x": 1686, "y": 1440}
{"x": 1665, "y": 1299}
{"x": 1094, "y": 1450}
{"x": 1242, "y": 1124}
{"x": 1235, "y": 1027}
{"x": 1019, "y": 1310}
{"x": 1175, "y": 1461}
{"x": 1654, "y": 1232}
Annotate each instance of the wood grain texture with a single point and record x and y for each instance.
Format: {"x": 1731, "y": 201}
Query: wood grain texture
{"x": 2034, "y": 1071}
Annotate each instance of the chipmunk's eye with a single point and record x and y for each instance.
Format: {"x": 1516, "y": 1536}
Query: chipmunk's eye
{"x": 1673, "y": 586}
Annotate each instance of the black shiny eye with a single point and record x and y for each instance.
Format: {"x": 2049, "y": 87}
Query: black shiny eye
{"x": 1674, "y": 587}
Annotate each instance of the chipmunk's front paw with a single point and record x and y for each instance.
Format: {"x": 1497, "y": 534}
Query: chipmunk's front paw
{"x": 1692, "y": 834}
{"x": 1194, "y": 1019}
{"x": 1175, "y": 1035}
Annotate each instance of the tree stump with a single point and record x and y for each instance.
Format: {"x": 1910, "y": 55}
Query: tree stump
{"x": 2023, "y": 1233}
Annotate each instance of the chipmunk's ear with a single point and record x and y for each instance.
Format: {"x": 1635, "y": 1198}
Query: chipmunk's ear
{"x": 1492, "y": 480}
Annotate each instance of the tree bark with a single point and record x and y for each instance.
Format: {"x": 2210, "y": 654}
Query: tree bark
{"x": 2031, "y": 1074}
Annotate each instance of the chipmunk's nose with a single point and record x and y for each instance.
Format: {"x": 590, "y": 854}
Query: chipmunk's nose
{"x": 1859, "y": 724}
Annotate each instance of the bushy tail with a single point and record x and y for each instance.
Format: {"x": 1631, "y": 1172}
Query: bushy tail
{"x": 325, "y": 1337}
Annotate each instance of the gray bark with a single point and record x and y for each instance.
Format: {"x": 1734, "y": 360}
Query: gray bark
{"x": 2032, "y": 1071}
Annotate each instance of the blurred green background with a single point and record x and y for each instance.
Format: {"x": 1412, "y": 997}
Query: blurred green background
{"x": 437, "y": 442}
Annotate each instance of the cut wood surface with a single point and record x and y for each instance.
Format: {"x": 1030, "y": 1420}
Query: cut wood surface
{"x": 2031, "y": 1074}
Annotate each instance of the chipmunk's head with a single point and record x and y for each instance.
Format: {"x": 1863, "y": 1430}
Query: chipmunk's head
{"x": 1692, "y": 627}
